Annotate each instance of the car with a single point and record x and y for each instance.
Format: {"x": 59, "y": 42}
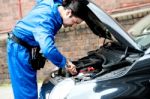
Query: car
{"x": 119, "y": 69}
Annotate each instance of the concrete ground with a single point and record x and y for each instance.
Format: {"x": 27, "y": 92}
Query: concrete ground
{"x": 7, "y": 93}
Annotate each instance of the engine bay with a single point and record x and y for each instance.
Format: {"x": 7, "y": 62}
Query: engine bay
{"x": 107, "y": 58}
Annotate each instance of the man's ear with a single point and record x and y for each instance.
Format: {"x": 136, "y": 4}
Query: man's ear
{"x": 68, "y": 12}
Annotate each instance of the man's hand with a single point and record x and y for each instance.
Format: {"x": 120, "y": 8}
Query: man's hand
{"x": 71, "y": 68}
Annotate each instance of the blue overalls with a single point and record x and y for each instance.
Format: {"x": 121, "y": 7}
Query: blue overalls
{"x": 38, "y": 28}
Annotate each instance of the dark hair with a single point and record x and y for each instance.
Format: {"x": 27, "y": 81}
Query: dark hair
{"x": 78, "y": 7}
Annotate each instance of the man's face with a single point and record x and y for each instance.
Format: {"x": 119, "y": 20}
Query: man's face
{"x": 70, "y": 20}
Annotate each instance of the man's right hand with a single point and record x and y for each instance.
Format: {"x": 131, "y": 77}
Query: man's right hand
{"x": 71, "y": 68}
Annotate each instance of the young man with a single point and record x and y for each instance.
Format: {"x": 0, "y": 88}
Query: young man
{"x": 38, "y": 28}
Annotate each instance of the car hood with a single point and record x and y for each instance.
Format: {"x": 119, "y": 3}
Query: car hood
{"x": 104, "y": 26}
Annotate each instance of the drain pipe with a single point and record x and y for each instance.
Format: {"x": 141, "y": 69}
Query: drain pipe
{"x": 20, "y": 8}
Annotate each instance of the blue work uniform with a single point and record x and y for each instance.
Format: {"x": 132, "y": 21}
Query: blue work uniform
{"x": 38, "y": 28}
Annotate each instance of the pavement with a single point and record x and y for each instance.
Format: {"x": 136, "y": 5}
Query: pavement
{"x": 7, "y": 93}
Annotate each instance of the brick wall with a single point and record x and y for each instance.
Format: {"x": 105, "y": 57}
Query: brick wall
{"x": 4, "y": 76}
{"x": 117, "y": 4}
{"x": 12, "y": 10}
{"x": 74, "y": 43}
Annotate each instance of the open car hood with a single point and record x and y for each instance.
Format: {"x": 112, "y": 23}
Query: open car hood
{"x": 104, "y": 26}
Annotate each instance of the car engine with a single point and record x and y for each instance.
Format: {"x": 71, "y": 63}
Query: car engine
{"x": 107, "y": 58}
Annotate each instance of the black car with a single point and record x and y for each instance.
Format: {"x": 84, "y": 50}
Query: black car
{"x": 120, "y": 69}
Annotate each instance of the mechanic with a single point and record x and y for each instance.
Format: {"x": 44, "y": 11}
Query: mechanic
{"x": 38, "y": 28}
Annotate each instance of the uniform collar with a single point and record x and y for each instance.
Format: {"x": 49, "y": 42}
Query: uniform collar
{"x": 57, "y": 14}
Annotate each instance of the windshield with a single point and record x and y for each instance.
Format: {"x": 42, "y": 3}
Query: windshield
{"x": 143, "y": 38}
{"x": 141, "y": 32}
